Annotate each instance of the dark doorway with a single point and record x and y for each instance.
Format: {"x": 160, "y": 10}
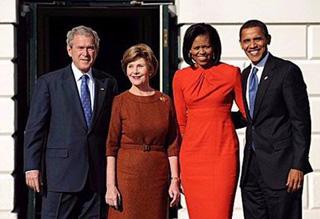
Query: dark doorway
{"x": 41, "y": 48}
{"x": 118, "y": 28}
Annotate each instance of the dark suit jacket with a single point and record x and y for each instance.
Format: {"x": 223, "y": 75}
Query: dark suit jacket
{"x": 56, "y": 132}
{"x": 281, "y": 126}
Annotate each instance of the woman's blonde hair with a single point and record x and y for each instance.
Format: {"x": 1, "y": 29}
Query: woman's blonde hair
{"x": 140, "y": 51}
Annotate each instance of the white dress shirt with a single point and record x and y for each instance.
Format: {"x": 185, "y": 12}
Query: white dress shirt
{"x": 77, "y": 76}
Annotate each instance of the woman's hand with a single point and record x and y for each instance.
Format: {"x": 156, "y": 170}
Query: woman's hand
{"x": 174, "y": 191}
{"x": 181, "y": 189}
{"x": 113, "y": 196}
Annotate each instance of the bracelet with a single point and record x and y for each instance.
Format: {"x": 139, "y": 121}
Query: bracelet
{"x": 175, "y": 178}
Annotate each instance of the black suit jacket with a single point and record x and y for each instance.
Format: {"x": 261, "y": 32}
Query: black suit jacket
{"x": 56, "y": 132}
{"x": 281, "y": 125}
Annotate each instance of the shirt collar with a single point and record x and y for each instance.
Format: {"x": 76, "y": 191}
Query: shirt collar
{"x": 78, "y": 74}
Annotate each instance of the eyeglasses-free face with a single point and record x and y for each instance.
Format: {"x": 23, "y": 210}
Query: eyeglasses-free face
{"x": 254, "y": 43}
{"x": 83, "y": 52}
{"x": 201, "y": 51}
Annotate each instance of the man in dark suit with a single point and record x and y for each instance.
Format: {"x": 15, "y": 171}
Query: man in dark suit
{"x": 278, "y": 131}
{"x": 66, "y": 132}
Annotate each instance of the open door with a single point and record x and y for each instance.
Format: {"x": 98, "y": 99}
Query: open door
{"x": 168, "y": 46}
{"x": 42, "y": 29}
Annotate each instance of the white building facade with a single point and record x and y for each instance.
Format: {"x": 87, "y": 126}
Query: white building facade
{"x": 294, "y": 26}
{"x": 8, "y": 20}
{"x": 295, "y": 29}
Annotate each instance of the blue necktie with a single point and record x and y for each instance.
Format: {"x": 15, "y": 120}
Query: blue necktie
{"x": 85, "y": 99}
{"x": 253, "y": 87}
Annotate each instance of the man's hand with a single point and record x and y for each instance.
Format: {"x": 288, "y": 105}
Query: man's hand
{"x": 295, "y": 180}
{"x": 33, "y": 180}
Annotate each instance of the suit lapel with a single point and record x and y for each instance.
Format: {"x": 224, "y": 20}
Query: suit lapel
{"x": 99, "y": 95}
{"x": 264, "y": 83}
{"x": 72, "y": 94}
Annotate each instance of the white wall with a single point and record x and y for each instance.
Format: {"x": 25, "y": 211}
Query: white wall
{"x": 295, "y": 29}
{"x": 7, "y": 75}
{"x": 234, "y": 11}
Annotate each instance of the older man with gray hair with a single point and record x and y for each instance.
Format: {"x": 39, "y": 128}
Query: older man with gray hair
{"x": 66, "y": 131}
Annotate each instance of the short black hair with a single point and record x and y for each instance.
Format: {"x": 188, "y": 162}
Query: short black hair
{"x": 201, "y": 29}
{"x": 255, "y": 23}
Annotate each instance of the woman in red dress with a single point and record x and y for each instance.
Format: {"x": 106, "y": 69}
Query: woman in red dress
{"x": 203, "y": 97}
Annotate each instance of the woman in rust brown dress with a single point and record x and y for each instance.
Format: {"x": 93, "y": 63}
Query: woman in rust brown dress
{"x": 142, "y": 145}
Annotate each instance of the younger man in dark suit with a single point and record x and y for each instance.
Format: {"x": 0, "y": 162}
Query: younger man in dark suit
{"x": 278, "y": 131}
{"x": 66, "y": 130}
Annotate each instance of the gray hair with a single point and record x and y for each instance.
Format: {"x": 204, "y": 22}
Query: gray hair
{"x": 85, "y": 31}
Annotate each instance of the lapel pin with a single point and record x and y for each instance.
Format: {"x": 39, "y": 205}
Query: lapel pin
{"x": 101, "y": 88}
{"x": 162, "y": 98}
{"x": 265, "y": 78}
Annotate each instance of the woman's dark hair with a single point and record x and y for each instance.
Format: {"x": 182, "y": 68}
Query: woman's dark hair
{"x": 201, "y": 29}
{"x": 256, "y": 23}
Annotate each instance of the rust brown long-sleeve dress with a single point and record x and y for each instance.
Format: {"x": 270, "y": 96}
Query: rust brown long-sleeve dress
{"x": 142, "y": 134}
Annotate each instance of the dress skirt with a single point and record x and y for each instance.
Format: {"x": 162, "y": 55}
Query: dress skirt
{"x": 143, "y": 184}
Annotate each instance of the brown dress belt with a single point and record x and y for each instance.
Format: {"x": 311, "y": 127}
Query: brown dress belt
{"x": 143, "y": 147}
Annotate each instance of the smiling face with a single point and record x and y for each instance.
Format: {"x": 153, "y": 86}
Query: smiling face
{"x": 201, "y": 51}
{"x": 83, "y": 52}
{"x": 138, "y": 73}
{"x": 254, "y": 43}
